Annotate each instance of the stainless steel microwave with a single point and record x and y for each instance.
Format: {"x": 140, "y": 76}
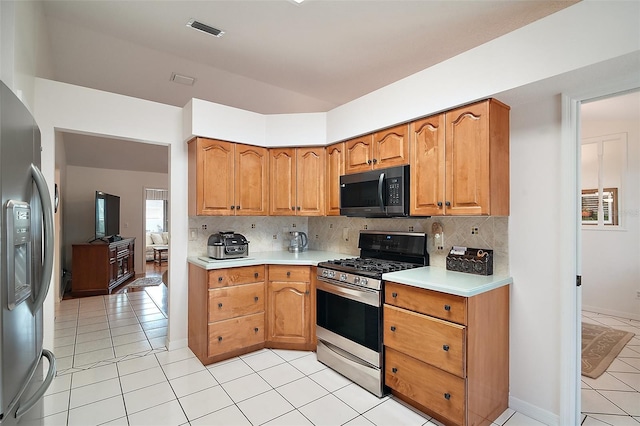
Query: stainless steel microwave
{"x": 377, "y": 193}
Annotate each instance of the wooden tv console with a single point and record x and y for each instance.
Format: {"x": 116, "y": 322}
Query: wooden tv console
{"x": 99, "y": 267}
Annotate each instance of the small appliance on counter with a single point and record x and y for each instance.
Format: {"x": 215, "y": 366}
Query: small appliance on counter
{"x": 299, "y": 242}
{"x": 227, "y": 245}
{"x": 470, "y": 260}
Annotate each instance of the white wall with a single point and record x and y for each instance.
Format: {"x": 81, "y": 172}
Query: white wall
{"x": 63, "y": 107}
{"x": 79, "y": 204}
{"x": 611, "y": 257}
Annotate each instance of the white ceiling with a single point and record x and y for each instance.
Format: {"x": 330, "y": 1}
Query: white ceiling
{"x": 276, "y": 56}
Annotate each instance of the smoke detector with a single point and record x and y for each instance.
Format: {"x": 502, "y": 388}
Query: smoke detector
{"x": 204, "y": 28}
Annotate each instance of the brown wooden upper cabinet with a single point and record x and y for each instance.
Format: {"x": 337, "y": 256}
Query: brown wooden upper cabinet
{"x": 227, "y": 179}
{"x": 297, "y": 181}
{"x": 460, "y": 162}
{"x": 334, "y": 169}
{"x": 386, "y": 148}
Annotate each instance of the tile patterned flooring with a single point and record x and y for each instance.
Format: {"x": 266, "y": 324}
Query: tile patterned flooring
{"x": 113, "y": 369}
{"x": 614, "y": 397}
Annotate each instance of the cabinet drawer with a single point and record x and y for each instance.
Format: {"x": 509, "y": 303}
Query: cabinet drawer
{"x": 230, "y": 302}
{"x": 441, "y": 392}
{"x": 234, "y": 276}
{"x": 235, "y": 333}
{"x": 437, "y": 342}
{"x": 288, "y": 273}
{"x": 440, "y": 305}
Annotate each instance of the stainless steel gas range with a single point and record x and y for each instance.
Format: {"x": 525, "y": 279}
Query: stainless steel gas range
{"x": 349, "y": 298}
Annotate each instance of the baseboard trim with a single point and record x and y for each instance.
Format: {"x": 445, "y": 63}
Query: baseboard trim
{"x": 534, "y": 412}
{"x": 613, "y": 313}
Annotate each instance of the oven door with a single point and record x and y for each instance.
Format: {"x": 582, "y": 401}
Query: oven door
{"x": 350, "y": 318}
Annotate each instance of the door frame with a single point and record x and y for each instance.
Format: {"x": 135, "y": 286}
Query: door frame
{"x": 571, "y": 243}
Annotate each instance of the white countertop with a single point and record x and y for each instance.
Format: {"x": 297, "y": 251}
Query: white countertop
{"x": 309, "y": 258}
{"x": 440, "y": 279}
{"x": 428, "y": 277}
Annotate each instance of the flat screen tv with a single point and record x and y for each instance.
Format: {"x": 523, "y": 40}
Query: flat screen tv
{"x": 107, "y": 215}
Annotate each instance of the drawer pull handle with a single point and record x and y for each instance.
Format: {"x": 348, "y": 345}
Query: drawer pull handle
{"x": 288, "y": 274}
{"x": 220, "y": 279}
{"x": 447, "y": 307}
{"x": 394, "y": 295}
{"x": 256, "y": 329}
{"x": 219, "y": 338}
{"x": 445, "y": 347}
{"x": 255, "y": 275}
{"x": 219, "y": 305}
{"x": 256, "y": 298}
{"x": 447, "y": 396}
{"x": 394, "y": 370}
{"x": 393, "y": 328}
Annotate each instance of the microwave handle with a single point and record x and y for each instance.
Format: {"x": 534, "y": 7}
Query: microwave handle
{"x": 380, "y": 188}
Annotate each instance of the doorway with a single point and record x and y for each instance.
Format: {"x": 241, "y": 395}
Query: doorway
{"x": 609, "y": 247}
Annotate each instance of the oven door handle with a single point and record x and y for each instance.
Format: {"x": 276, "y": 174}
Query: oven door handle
{"x": 358, "y": 294}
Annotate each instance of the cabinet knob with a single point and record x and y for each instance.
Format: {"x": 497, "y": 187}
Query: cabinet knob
{"x": 256, "y": 298}
{"x": 368, "y": 161}
{"x": 439, "y": 203}
{"x": 447, "y": 396}
{"x": 233, "y": 207}
{"x": 306, "y": 292}
{"x": 255, "y": 275}
{"x": 447, "y": 307}
{"x": 219, "y": 338}
{"x": 256, "y": 329}
{"x": 298, "y": 208}
{"x": 375, "y": 161}
{"x": 237, "y": 207}
{"x": 288, "y": 274}
{"x": 293, "y": 207}
{"x": 445, "y": 348}
{"x": 394, "y": 294}
{"x": 393, "y": 328}
{"x": 394, "y": 370}
{"x": 219, "y": 279}
{"x": 219, "y": 305}
{"x": 447, "y": 203}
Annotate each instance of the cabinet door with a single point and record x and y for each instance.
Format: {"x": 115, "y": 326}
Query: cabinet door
{"x": 282, "y": 171}
{"x": 358, "y": 154}
{"x": 334, "y": 169}
{"x": 213, "y": 187}
{"x": 467, "y": 160}
{"x": 288, "y": 312}
{"x": 251, "y": 180}
{"x": 310, "y": 181}
{"x": 427, "y": 166}
{"x": 391, "y": 147}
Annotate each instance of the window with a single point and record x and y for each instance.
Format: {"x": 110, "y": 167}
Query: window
{"x": 603, "y": 170}
{"x": 156, "y": 208}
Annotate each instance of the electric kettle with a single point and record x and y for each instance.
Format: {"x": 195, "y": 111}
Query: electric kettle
{"x": 299, "y": 242}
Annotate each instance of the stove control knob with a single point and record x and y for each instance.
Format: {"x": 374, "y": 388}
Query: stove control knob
{"x": 356, "y": 280}
{"x": 343, "y": 277}
{"x": 325, "y": 273}
{"x": 363, "y": 281}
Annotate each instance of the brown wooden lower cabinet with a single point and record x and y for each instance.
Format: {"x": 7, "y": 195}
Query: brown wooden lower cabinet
{"x": 233, "y": 311}
{"x": 99, "y": 267}
{"x": 448, "y": 355}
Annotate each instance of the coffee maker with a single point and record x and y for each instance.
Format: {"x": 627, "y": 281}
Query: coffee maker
{"x": 299, "y": 241}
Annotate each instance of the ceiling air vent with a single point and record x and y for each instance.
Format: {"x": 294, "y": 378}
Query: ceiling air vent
{"x": 182, "y": 79}
{"x": 205, "y": 28}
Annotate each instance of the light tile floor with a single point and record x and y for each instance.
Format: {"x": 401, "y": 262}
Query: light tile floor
{"x": 614, "y": 397}
{"x": 114, "y": 370}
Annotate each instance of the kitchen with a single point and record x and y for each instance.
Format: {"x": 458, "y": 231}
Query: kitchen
{"x": 540, "y": 389}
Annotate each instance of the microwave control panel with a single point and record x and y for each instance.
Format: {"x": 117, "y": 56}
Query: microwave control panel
{"x": 394, "y": 191}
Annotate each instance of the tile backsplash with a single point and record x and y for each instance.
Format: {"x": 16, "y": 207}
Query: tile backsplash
{"x": 270, "y": 233}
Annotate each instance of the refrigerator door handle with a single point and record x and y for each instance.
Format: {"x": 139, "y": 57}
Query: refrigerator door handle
{"x": 47, "y": 213}
{"x": 27, "y": 405}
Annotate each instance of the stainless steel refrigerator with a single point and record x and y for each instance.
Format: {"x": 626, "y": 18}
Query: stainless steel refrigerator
{"x": 26, "y": 261}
